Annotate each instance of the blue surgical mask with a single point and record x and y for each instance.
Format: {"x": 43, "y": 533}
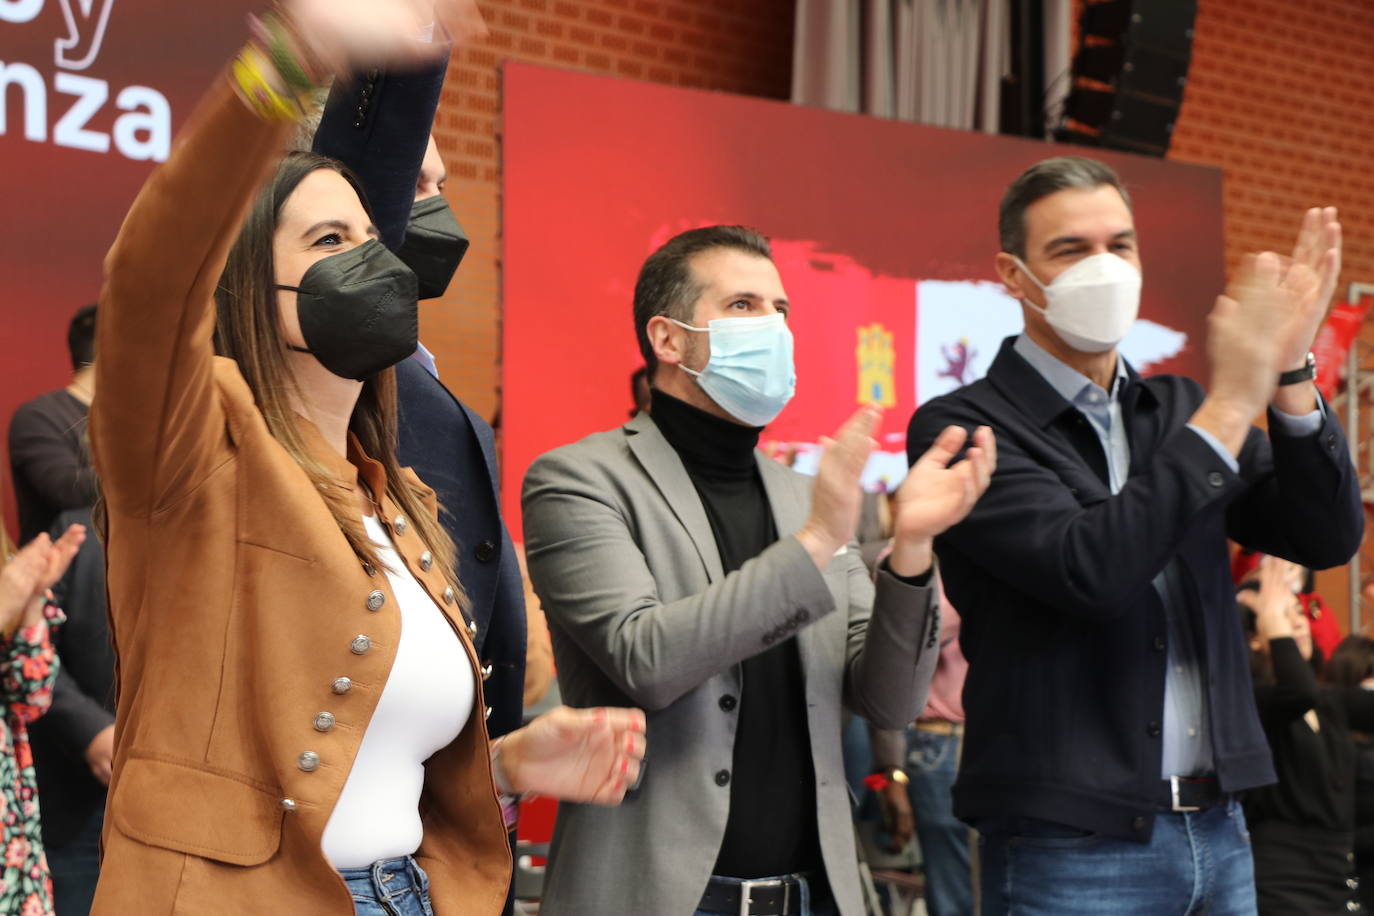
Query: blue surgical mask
{"x": 750, "y": 373}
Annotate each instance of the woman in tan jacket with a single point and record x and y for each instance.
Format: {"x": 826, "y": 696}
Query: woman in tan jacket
{"x": 300, "y": 722}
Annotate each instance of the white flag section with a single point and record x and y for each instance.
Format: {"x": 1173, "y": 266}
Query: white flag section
{"x": 960, "y": 326}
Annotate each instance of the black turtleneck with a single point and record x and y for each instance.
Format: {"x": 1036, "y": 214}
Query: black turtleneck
{"x": 772, "y": 824}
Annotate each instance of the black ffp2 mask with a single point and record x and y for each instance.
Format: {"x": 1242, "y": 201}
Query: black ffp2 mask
{"x": 434, "y": 245}
{"x": 358, "y": 311}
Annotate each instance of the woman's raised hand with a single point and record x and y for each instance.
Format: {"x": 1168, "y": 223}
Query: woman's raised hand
{"x": 341, "y": 35}
{"x": 579, "y": 755}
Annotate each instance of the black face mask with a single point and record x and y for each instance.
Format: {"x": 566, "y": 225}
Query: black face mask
{"x": 358, "y": 311}
{"x": 434, "y": 245}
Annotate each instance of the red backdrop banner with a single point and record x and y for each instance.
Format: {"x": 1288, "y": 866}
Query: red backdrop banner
{"x": 884, "y": 234}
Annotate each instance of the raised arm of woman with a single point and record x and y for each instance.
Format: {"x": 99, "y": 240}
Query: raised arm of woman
{"x": 158, "y": 427}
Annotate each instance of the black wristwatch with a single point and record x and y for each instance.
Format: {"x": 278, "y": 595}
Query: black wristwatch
{"x": 1306, "y": 374}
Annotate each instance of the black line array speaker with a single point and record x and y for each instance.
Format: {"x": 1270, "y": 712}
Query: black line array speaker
{"x": 1129, "y": 73}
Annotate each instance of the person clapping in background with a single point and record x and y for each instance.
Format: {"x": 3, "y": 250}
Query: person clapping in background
{"x": 27, "y": 671}
{"x": 1352, "y": 665}
{"x": 1301, "y": 828}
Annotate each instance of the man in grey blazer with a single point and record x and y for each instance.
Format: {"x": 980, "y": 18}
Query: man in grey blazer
{"x": 684, "y": 572}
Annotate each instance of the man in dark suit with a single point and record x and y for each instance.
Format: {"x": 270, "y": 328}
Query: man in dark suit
{"x": 1110, "y": 715}
{"x": 379, "y": 125}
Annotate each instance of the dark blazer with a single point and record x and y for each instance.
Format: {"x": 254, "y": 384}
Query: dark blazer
{"x": 1065, "y": 635}
{"x": 82, "y": 697}
{"x": 378, "y": 124}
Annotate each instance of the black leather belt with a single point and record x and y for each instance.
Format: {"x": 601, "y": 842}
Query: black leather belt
{"x": 1190, "y": 793}
{"x": 768, "y": 897}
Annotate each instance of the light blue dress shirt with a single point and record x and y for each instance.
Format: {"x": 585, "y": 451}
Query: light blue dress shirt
{"x": 1187, "y": 734}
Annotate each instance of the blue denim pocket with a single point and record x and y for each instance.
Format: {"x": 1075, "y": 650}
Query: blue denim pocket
{"x": 927, "y": 751}
{"x": 1236, "y": 813}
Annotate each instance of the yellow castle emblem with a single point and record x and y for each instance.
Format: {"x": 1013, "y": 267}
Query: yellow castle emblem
{"x": 876, "y": 358}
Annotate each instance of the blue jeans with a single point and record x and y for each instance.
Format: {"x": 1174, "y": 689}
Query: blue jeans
{"x": 75, "y": 868}
{"x": 1195, "y": 862}
{"x": 932, "y": 763}
{"x": 808, "y": 908}
{"x": 391, "y": 887}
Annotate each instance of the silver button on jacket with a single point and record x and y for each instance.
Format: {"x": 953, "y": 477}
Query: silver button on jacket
{"x": 375, "y": 599}
{"x": 308, "y": 761}
{"x": 324, "y": 722}
{"x": 360, "y": 644}
{"x": 341, "y": 685}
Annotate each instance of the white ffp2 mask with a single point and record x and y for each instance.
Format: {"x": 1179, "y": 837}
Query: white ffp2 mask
{"x": 1093, "y": 304}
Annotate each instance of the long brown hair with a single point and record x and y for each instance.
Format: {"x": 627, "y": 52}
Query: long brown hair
{"x": 248, "y": 330}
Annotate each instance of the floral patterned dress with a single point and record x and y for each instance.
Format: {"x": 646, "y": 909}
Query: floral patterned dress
{"x": 28, "y": 668}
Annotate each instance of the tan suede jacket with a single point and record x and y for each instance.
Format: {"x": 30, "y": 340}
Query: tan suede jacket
{"x": 252, "y": 643}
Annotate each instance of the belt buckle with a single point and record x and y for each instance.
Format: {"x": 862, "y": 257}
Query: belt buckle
{"x": 746, "y": 888}
{"x": 1173, "y": 795}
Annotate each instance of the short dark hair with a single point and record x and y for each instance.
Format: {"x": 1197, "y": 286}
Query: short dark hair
{"x": 81, "y": 337}
{"x": 1352, "y": 661}
{"x": 1040, "y": 181}
{"x": 666, "y": 285}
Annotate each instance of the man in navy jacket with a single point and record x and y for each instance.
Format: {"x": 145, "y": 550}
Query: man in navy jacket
{"x": 379, "y": 125}
{"x": 1111, "y": 718}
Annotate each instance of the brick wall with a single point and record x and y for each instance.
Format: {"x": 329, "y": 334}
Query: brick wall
{"x": 741, "y": 46}
{"x": 1280, "y": 96}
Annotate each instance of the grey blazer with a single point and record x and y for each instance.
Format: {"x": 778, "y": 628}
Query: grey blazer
{"x": 622, "y": 557}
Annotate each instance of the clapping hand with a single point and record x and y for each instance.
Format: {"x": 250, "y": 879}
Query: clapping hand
{"x": 578, "y": 755}
{"x": 26, "y": 578}
{"x": 937, "y": 495}
{"x": 1275, "y": 603}
{"x": 1265, "y": 324}
{"x": 343, "y": 34}
{"x": 1313, "y": 273}
{"x": 836, "y": 495}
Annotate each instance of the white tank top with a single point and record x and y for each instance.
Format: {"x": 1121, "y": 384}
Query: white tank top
{"x": 424, "y": 705}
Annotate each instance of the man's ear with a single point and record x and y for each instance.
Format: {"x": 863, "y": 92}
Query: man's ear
{"x": 667, "y": 340}
{"x": 1013, "y": 277}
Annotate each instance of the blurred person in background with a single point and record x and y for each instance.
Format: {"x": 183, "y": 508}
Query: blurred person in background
{"x": 1326, "y": 631}
{"x": 1302, "y": 827}
{"x": 1352, "y": 665}
{"x": 73, "y": 744}
{"x": 919, "y": 801}
{"x": 28, "y": 667}
{"x": 47, "y": 440}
